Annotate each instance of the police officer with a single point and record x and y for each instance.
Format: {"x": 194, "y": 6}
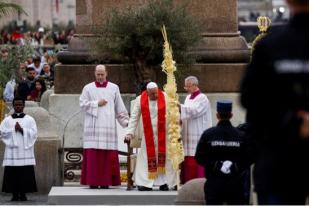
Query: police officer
{"x": 275, "y": 92}
{"x": 224, "y": 153}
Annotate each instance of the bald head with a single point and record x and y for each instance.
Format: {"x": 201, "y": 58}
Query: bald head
{"x": 100, "y": 73}
{"x": 100, "y": 67}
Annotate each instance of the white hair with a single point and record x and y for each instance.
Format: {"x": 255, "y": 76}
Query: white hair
{"x": 151, "y": 85}
{"x": 192, "y": 79}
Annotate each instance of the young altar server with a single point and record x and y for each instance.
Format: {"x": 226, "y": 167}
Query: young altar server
{"x": 19, "y": 133}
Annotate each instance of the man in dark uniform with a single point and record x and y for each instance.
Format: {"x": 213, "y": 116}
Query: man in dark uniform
{"x": 224, "y": 152}
{"x": 275, "y": 92}
{"x": 26, "y": 86}
{"x": 247, "y": 174}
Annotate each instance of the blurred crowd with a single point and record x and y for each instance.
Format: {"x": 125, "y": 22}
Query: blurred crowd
{"x": 35, "y": 76}
{"x": 41, "y": 37}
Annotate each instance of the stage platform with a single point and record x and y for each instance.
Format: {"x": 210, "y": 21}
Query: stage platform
{"x": 78, "y": 195}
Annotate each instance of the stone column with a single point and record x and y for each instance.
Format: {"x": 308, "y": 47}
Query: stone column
{"x": 222, "y": 41}
{"x": 222, "y": 45}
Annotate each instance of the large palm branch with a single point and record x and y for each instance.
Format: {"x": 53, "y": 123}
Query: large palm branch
{"x": 8, "y": 8}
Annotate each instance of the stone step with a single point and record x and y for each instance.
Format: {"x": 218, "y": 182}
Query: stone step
{"x": 82, "y": 195}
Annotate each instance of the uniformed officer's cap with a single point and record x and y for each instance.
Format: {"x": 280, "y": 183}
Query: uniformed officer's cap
{"x": 224, "y": 106}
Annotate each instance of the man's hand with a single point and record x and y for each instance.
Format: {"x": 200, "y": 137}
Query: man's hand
{"x": 304, "y": 127}
{"x": 127, "y": 138}
{"x": 18, "y": 128}
{"x": 102, "y": 102}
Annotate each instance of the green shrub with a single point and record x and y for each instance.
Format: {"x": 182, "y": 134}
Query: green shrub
{"x": 134, "y": 35}
{"x": 10, "y": 68}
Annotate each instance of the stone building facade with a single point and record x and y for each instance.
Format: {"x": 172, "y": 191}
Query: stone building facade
{"x": 47, "y": 12}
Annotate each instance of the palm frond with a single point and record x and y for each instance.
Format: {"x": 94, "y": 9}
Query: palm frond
{"x": 8, "y": 8}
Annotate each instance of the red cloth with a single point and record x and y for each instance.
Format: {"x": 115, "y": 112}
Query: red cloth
{"x": 190, "y": 170}
{"x": 98, "y": 84}
{"x": 35, "y": 95}
{"x": 16, "y": 36}
{"x": 100, "y": 168}
{"x": 153, "y": 168}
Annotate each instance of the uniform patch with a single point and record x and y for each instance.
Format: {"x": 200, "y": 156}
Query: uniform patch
{"x": 225, "y": 143}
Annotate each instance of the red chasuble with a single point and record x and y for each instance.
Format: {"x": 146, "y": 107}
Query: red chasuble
{"x": 154, "y": 166}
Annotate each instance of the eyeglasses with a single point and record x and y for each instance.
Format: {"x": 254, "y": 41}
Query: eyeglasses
{"x": 189, "y": 86}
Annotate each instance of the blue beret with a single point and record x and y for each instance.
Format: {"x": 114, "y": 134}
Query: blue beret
{"x": 224, "y": 106}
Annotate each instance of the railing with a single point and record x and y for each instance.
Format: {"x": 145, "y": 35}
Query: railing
{"x": 73, "y": 158}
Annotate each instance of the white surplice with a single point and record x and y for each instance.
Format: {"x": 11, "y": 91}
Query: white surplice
{"x": 196, "y": 118}
{"x": 19, "y": 148}
{"x": 141, "y": 168}
{"x": 100, "y": 131}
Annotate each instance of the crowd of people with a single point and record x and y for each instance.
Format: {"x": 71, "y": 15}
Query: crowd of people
{"x": 41, "y": 37}
{"x": 35, "y": 76}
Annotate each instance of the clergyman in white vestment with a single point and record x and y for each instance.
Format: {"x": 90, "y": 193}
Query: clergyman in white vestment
{"x": 154, "y": 133}
{"x": 102, "y": 103}
{"x": 195, "y": 115}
